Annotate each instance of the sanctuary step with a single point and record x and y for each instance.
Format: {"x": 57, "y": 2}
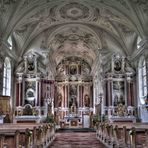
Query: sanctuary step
{"x": 75, "y": 130}
{"x": 81, "y": 139}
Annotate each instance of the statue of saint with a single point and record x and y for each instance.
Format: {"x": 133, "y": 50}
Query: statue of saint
{"x": 73, "y": 106}
{"x": 120, "y": 110}
{"x": 86, "y": 101}
{"x": 59, "y": 100}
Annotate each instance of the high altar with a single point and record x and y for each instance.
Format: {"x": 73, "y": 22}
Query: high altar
{"x": 73, "y": 93}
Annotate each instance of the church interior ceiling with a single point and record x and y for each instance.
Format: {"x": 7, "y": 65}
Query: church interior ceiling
{"x": 58, "y": 29}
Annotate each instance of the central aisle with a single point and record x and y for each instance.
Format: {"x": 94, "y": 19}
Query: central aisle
{"x": 69, "y": 139}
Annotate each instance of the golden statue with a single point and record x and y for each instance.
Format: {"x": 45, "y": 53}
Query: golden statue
{"x": 120, "y": 109}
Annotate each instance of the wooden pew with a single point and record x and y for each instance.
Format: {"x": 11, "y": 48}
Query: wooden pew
{"x": 123, "y": 135}
{"x": 32, "y": 135}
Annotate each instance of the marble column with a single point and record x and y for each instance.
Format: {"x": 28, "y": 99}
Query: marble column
{"x": 109, "y": 90}
{"x": 37, "y": 92}
{"x": 78, "y": 96}
{"x": 82, "y": 91}
{"x": 19, "y": 89}
{"x": 130, "y": 99}
{"x": 62, "y": 96}
{"x": 94, "y": 97}
{"x": 65, "y": 95}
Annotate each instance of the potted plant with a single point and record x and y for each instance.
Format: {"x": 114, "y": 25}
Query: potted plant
{"x": 49, "y": 119}
{"x": 96, "y": 120}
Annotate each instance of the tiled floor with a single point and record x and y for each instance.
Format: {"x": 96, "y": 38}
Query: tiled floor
{"x": 76, "y": 140}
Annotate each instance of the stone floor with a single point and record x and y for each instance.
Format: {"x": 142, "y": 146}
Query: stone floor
{"x": 69, "y": 139}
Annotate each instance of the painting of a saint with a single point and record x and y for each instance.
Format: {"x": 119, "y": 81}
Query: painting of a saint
{"x": 117, "y": 65}
{"x": 31, "y": 66}
{"x": 73, "y": 69}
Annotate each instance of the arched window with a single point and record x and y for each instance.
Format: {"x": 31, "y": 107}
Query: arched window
{"x": 7, "y": 78}
{"x": 138, "y": 42}
{"x": 142, "y": 80}
{"x": 10, "y": 42}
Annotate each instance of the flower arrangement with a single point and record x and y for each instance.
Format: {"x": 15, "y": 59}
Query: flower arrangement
{"x": 131, "y": 132}
{"x": 96, "y": 120}
{"x": 49, "y": 119}
{"x": 29, "y": 133}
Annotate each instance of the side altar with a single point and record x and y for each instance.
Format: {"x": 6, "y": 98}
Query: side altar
{"x": 34, "y": 92}
{"x": 119, "y": 100}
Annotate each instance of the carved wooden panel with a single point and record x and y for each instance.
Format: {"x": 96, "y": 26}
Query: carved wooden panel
{"x": 5, "y": 105}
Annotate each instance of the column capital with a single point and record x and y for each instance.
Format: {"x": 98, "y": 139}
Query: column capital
{"x": 129, "y": 76}
{"x": 109, "y": 76}
{"x": 19, "y": 77}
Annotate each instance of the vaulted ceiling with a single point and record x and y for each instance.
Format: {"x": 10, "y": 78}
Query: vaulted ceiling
{"x": 64, "y": 28}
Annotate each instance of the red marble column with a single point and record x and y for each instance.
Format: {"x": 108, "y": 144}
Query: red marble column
{"x": 19, "y": 101}
{"x": 63, "y": 96}
{"x": 79, "y": 69}
{"x": 80, "y": 96}
{"x": 91, "y": 96}
{"x": 132, "y": 94}
{"x": 130, "y": 99}
{"x": 39, "y": 93}
{"x": 17, "y": 94}
{"x": 106, "y": 94}
{"x": 66, "y": 95}
{"x": 20, "y": 94}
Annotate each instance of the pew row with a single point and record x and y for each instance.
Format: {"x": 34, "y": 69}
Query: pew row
{"x": 123, "y": 136}
{"x": 26, "y": 136}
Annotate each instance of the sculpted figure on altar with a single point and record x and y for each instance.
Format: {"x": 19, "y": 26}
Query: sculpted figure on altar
{"x": 73, "y": 108}
{"x": 86, "y": 101}
{"x": 59, "y": 99}
{"x": 73, "y": 105}
{"x": 121, "y": 110}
